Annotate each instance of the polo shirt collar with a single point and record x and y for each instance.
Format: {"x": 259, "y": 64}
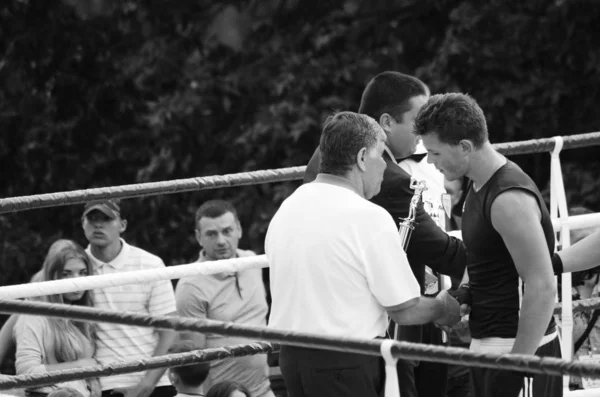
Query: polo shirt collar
{"x": 220, "y": 276}
{"x": 337, "y": 181}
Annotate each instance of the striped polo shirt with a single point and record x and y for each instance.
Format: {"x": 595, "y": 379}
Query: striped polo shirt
{"x": 118, "y": 342}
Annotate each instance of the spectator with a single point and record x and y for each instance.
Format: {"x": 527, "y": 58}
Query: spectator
{"x": 237, "y": 297}
{"x": 7, "y": 342}
{"x": 585, "y": 286}
{"x": 228, "y": 389}
{"x": 103, "y": 225}
{"x": 188, "y": 379}
{"x": 49, "y": 344}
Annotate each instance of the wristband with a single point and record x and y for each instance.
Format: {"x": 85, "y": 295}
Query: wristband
{"x": 557, "y": 264}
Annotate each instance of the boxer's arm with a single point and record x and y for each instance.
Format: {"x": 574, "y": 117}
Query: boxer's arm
{"x": 516, "y": 215}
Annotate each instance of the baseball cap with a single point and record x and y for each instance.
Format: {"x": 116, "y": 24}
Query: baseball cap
{"x": 108, "y": 207}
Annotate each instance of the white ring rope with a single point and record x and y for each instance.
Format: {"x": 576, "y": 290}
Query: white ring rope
{"x": 31, "y": 290}
{"x": 134, "y": 277}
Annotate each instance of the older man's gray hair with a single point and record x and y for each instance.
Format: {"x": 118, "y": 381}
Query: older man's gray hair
{"x": 344, "y": 134}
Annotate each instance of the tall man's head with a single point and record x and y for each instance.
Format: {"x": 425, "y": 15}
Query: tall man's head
{"x": 218, "y": 230}
{"x": 394, "y": 99}
{"x": 352, "y": 146}
{"x": 453, "y": 129}
{"x": 102, "y": 222}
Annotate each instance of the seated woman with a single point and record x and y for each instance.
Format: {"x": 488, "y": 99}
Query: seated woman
{"x": 49, "y": 343}
{"x": 7, "y": 341}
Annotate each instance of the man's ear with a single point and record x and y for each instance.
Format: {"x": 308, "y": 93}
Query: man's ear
{"x": 466, "y": 146}
{"x": 123, "y": 225}
{"x": 239, "y": 227}
{"x": 385, "y": 121}
{"x": 198, "y": 236}
{"x": 361, "y": 158}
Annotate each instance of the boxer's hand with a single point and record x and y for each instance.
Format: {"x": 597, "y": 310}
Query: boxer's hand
{"x": 451, "y": 309}
{"x": 462, "y": 294}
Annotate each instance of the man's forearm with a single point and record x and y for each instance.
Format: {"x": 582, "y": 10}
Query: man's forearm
{"x": 536, "y": 311}
{"x": 426, "y": 310}
{"x": 165, "y": 340}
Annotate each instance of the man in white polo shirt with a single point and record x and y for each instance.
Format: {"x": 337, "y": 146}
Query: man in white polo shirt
{"x": 337, "y": 266}
{"x": 103, "y": 225}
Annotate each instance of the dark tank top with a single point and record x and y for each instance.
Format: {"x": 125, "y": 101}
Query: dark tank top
{"x": 495, "y": 283}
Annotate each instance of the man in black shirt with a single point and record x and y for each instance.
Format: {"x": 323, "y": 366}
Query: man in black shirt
{"x": 509, "y": 238}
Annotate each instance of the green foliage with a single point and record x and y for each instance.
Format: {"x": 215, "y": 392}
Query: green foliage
{"x": 112, "y": 92}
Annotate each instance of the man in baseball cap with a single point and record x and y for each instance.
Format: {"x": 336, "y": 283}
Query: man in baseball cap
{"x": 103, "y": 225}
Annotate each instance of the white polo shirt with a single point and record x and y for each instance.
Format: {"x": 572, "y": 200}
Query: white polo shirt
{"x": 335, "y": 261}
{"x": 118, "y": 342}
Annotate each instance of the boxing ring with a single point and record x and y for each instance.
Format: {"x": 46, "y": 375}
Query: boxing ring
{"x": 267, "y": 339}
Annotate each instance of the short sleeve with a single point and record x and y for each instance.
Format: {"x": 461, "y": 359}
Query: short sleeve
{"x": 388, "y": 272}
{"x": 191, "y": 301}
{"x": 30, "y": 332}
{"x": 162, "y": 297}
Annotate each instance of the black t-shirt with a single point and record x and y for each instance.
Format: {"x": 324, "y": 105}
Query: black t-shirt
{"x": 495, "y": 283}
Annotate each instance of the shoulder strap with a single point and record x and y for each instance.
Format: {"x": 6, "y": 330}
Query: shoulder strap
{"x": 587, "y": 331}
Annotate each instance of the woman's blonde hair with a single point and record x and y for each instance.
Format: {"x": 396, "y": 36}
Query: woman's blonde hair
{"x": 70, "y": 337}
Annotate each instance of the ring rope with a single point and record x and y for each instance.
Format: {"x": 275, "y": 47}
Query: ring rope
{"x": 547, "y": 144}
{"x": 127, "y": 367}
{"x": 173, "y": 272}
{"x": 22, "y": 203}
{"x": 577, "y": 221}
{"x": 404, "y": 350}
{"x": 66, "y": 285}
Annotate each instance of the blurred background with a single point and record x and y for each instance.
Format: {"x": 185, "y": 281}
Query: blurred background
{"x": 100, "y": 93}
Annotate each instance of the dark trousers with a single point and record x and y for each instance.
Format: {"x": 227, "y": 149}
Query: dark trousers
{"x": 161, "y": 391}
{"x": 538, "y": 386}
{"x": 459, "y": 386}
{"x": 424, "y": 378}
{"x": 322, "y": 373}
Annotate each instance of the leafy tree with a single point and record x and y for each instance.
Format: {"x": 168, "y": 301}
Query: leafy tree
{"x": 111, "y": 92}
